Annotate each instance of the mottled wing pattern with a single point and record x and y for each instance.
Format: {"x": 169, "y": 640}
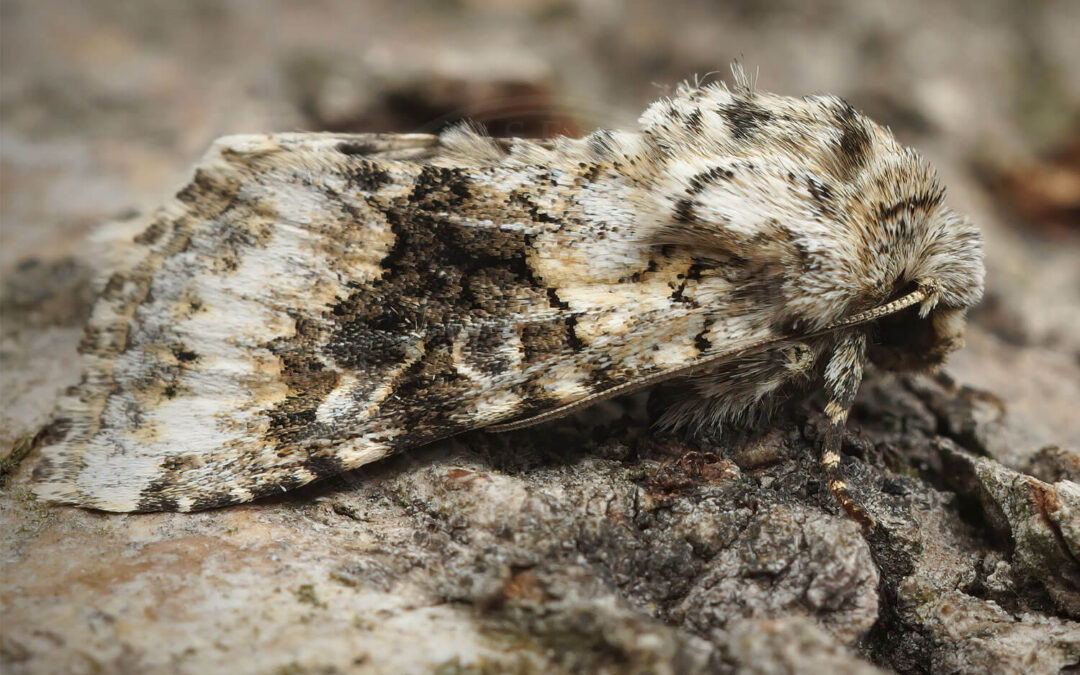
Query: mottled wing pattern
{"x": 311, "y": 303}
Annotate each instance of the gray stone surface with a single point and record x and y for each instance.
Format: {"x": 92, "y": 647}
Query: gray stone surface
{"x": 594, "y": 545}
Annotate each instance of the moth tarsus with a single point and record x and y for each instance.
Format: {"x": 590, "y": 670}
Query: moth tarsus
{"x": 313, "y": 302}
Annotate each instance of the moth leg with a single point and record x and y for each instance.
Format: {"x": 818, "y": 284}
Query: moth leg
{"x": 842, "y": 377}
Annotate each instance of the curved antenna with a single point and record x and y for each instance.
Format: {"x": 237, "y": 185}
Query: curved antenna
{"x": 920, "y": 294}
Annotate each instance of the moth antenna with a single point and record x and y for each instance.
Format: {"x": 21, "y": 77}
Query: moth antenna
{"x": 912, "y": 298}
{"x": 842, "y": 377}
{"x": 926, "y": 291}
{"x": 628, "y": 387}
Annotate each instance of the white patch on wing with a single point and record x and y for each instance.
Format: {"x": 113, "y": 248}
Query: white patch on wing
{"x": 489, "y": 406}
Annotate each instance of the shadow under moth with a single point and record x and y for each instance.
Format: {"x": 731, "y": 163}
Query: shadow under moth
{"x": 313, "y": 302}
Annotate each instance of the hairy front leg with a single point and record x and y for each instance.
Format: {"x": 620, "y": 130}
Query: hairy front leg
{"x": 843, "y": 373}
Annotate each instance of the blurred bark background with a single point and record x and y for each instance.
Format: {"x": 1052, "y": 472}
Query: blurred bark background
{"x": 593, "y": 544}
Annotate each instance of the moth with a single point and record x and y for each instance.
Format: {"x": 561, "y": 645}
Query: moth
{"x": 313, "y": 302}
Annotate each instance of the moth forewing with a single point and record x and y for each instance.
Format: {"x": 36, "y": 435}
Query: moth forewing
{"x": 313, "y": 302}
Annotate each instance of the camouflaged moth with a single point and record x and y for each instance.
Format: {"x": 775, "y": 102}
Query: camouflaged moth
{"x": 313, "y": 302}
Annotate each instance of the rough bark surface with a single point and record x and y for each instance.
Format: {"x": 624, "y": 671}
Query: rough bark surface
{"x": 595, "y": 544}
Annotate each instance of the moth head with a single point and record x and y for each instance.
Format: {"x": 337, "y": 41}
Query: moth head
{"x": 946, "y": 268}
{"x": 907, "y": 341}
